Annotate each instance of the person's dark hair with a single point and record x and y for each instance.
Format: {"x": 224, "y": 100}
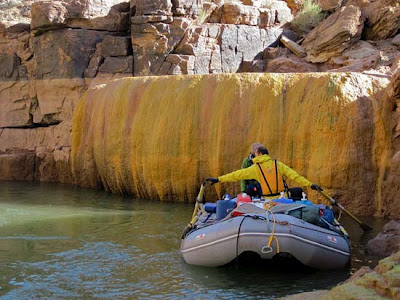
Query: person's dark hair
{"x": 263, "y": 150}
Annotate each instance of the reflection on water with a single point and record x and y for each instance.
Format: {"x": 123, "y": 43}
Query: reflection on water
{"x": 63, "y": 242}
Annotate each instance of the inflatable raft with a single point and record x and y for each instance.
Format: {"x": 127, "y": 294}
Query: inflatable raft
{"x": 214, "y": 238}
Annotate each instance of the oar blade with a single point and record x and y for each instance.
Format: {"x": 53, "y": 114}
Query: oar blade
{"x": 365, "y": 227}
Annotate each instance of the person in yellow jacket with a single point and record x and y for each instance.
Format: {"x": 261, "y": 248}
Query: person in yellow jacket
{"x": 269, "y": 173}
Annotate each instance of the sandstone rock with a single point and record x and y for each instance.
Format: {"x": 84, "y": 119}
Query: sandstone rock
{"x": 64, "y": 53}
{"x": 48, "y": 14}
{"x": 272, "y": 13}
{"x": 88, "y": 14}
{"x": 15, "y": 104}
{"x": 383, "y": 19}
{"x": 90, "y": 9}
{"x": 361, "y": 56}
{"x": 279, "y": 11}
{"x": 115, "y": 18}
{"x": 381, "y": 283}
{"x": 145, "y": 7}
{"x": 396, "y": 40}
{"x": 387, "y": 242}
{"x": 176, "y": 64}
{"x": 95, "y": 61}
{"x": 187, "y": 8}
{"x": 328, "y": 5}
{"x": 274, "y": 52}
{"x": 243, "y": 43}
{"x": 152, "y": 42}
{"x": 256, "y": 65}
{"x": 116, "y": 46}
{"x": 334, "y": 35}
{"x": 235, "y": 13}
{"x": 289, "y": 65}
{"x": 117, "y": 65}
{"x": 17, "y": 166}
{"x": 151, "y": 19}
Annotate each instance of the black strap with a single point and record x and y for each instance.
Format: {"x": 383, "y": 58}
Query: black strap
{"x": 266, "y": 181}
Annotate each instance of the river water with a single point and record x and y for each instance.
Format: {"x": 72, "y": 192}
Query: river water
{"x": 64, "y": 242}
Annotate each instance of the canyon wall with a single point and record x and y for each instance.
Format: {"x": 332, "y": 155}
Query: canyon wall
{"x": 159, "y": 137}
{"x": 57, "y": 50}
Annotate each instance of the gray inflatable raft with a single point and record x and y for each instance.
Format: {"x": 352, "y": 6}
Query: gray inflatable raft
{"x": 213, "y": 243}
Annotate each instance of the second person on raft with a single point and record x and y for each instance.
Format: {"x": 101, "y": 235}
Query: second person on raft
{"x": 268, "y": 172}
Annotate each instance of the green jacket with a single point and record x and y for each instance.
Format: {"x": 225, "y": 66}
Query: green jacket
{"x": 265, "y": 161}
{"x": 247, "y": 162}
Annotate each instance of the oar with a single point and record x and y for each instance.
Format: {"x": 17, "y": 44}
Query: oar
{"x": 199, "y": 200}
{"x": 334, "y": 202}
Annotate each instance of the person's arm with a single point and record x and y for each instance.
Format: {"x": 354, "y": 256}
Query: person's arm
{"x": 242, "y": 174}
{"x": 293, "y": 175}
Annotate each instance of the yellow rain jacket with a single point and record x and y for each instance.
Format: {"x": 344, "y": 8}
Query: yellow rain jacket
{"x": 268, "y": 166}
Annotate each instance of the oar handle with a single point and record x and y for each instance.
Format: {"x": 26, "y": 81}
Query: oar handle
{"x": 334, "y": 202}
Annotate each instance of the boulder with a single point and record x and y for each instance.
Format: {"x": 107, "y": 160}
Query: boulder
{"x": 387, "y": 242}
{"x": 329, "y": 5}
{"x": 396, "y": 40}
{"x": 361, "y": 56}
{"x": 334, "y": 35}
{"x": 381, "y": 283}
{"x": 383, "y": 19}
{"x": 289, "y": 65}
{"x": 48, "y": 14}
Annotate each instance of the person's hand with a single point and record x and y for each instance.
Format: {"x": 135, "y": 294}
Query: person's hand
{"x": 212, "y": 180}
{"x": 316, "y": 187}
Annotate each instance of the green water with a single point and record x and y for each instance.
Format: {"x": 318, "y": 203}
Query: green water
{"x": 63, "y": 242}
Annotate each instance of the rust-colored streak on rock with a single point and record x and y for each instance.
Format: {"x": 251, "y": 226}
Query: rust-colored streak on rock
{"x": 159, "y": 137}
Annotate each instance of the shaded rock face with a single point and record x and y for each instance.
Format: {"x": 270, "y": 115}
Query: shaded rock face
{"x": 42, "y": 76}
{"x": 387, "y": 242}
{"x": 383, "y": 19}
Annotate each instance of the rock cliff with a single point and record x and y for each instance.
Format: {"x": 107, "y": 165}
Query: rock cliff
{"x": 52, "y": 52}
{"x": 172, "y": 132}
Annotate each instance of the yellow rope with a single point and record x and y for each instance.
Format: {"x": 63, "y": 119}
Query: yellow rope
{"x": 272, "y": 237}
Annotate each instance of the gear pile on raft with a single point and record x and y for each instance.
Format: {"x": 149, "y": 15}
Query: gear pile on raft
{"x": 267, "y": 225}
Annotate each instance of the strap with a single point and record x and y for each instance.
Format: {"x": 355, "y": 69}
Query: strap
{"x": 266, "y": 181}
{"x": 276, "y": 175}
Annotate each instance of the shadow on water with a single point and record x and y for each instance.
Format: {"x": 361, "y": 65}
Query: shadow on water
{"x": 64, "y": 242}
